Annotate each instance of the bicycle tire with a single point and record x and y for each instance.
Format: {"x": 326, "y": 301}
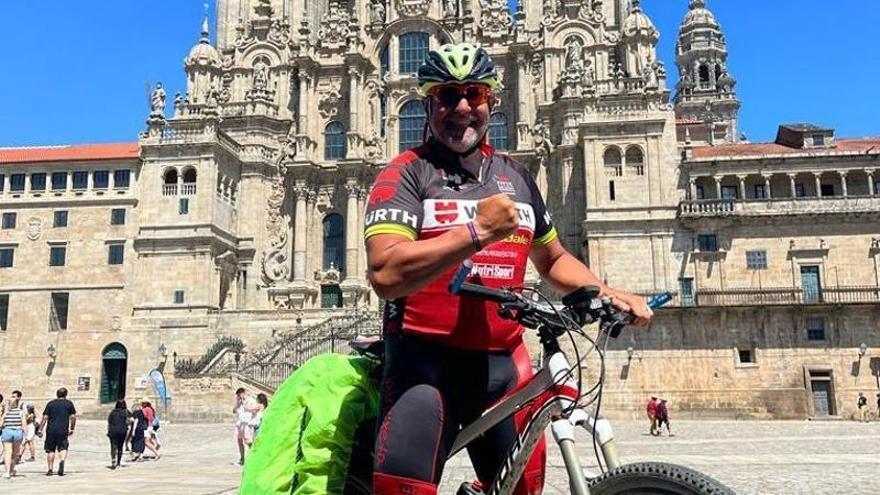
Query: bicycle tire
{"x": 656, "y": 478}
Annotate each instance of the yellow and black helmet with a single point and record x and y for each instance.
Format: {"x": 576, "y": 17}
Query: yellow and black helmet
{"x": 457, "y": 63}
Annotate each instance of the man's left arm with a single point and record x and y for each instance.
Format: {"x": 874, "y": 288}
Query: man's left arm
{"x": 566, "y": 273}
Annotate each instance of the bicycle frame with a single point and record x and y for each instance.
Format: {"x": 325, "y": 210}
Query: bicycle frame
{"x": 553, "y": 391}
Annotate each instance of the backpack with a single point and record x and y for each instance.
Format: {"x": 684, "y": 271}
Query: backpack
{"x": 316, "y": 430}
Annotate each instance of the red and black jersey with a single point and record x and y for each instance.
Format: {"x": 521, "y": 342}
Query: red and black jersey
{"x": 424, "y": 193}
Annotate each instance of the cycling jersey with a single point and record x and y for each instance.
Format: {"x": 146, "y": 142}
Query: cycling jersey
{"x": 424, "y": 193}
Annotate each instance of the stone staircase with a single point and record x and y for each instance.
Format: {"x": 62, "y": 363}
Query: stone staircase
{"x": 267, "y": 367}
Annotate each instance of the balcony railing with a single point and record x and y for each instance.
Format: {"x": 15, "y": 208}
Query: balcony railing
{"x": 187, "y": 189}
{"x": 778, "y": 296}
{"x": 169, "y": 190}
{"x": 778, "y": 206}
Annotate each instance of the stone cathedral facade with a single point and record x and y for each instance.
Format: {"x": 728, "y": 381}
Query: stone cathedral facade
{"x": 239, "y": 211}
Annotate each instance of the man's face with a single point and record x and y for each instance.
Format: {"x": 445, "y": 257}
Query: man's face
{"x": 458, "y": 114}
{"x": 16, "y": 397}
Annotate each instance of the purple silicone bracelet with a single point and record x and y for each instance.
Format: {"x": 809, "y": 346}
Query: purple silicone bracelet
{"x": 474, "y": 238}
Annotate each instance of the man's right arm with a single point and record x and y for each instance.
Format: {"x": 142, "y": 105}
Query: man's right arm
{"x": 72, "y": 424}
{"x": 399, "y": 266}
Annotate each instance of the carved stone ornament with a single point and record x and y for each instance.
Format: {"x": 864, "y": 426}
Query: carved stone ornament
{"x": 412, "y": 8}
{"x": 335, "y": 27}
{"x": 375, "y": 147}
{"x": 330, "y": 276}
{"x": 495, "y": 19}
{"x": 275, "y": 262}
{"x": 328, "y": 106}
{"x": 592, "y": 11}
{"x": 378, "y": 11}
{"x": 34, "y": 228}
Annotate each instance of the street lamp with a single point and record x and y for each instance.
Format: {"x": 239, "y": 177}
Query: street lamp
{"x": 163, "y": 350}
{"x": 52, "y": 352}
{"x": 629, "y": 353}
{"x": 863, "y": 349}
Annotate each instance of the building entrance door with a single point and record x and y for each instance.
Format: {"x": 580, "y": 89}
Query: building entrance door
{"x": 113, "y": 369}
{"x": 822, "y": 397}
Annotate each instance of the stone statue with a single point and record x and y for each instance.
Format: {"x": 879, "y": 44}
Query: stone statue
{"x": 157, "y": 101}
{"x": 377, "y": 11}
{"x": 178, "y": 102}
{"x": 573, "y": 55}
{"x": 450, "y": 8}
{"x": 261, "y": 75}
{"x": 650, "y": 77}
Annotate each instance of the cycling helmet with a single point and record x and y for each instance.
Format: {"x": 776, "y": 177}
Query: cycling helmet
{"x": 457, "y": 63}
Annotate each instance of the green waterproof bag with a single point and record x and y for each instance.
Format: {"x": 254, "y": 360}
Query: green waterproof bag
{"x": 308, "y": 432}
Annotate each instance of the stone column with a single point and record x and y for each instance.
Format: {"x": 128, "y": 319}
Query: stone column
{"x": 299, "y": 231}
{"x": 363, "y": 193}
{"x": 354, "y": 82}
{"x": 843, "y": 183}
{"x": 767, "y": 193}
{"x": 742, "y": 186}
{"x": 692, "y": 188}
{"x": 718, "y": 186}
{"x": 303, "y": 101}
{"x": 351, "y": 232}
{"x": 871, "y": 189}
{"x": 818, "y": 177}
{"x": 793, "y": 187}
{"x": 521, "y": 92}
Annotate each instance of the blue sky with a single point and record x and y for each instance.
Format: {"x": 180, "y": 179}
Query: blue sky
{"x": 75, "y": 71}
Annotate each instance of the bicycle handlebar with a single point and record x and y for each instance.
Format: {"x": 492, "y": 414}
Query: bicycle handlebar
{"x": 583, "y": 305}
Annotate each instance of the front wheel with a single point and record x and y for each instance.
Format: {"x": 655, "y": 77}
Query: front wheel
{"x": 656, "y": 478}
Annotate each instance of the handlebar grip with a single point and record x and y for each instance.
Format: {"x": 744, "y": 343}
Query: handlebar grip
{"x": 463, "y": 271}
{"x": 473, "y": 290}
{"x": 659, "y": 300}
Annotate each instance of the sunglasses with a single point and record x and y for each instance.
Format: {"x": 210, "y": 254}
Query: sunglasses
{"x": 450, "y": 95}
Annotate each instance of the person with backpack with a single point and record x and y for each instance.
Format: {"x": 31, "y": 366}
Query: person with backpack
{"x": 151, "y": 438}
{"x": 663, "y": 418}
{"x": 117, "y": 425}
{"x": 136, "y": 430}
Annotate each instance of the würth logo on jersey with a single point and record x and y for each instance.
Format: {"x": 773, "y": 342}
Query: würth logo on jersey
{"x": 445, "y": 211}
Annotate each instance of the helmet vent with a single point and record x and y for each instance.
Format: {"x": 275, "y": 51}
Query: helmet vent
{"x": 464, "y": 61}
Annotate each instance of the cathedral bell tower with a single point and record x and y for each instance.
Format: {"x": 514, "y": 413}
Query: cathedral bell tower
{"x": 706, "y": 92}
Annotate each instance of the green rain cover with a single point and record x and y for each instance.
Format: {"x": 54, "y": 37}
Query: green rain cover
{"x": 306, "y": 437}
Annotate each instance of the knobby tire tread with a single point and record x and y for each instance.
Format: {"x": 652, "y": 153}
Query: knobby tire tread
{"x": 662, "y": 478}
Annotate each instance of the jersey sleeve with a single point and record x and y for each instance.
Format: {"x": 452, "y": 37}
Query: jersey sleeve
{"x": 395, "y": 205}
{"x": 545, "y": 231}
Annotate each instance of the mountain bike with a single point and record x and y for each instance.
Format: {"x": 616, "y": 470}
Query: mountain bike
{"x": 556, "y": 395}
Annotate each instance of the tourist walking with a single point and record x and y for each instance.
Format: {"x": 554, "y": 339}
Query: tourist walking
{"x": 878, "y": 406}
{"x": 151, "y": 437}
{"x": 59, "y": 423}
{"x": 863, "y": 408}
{"x": 2, "y": 448}
{"x": 136, "y": 431}
{"x": 243, "y": 411}
{"x": 652, "y": 415}
{"x": 13, "y": 432}
{"x": 117, "y": 426}
{"x": 30, "y": 433}
{"x": 663, "y": 418}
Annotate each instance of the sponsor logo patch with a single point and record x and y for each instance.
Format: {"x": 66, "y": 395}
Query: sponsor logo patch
{"x": 501, "y": 272}
{"x": 445, "y": 211}
{"x": 504, "y": 184}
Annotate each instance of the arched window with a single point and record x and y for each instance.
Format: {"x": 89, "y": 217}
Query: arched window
{"x": 705, "y": 77}
{"x": 413, "y": 49}
{"x": 114, "y": 360}
{"x": 170, "y": 177}
{"x": 334, "y": 242}
{"x": 383, "y": 114}
{"x": 412, "y": 124}
{"x": 613, "y": 162}
{"x": 334, "y": 141}
{"x": 635, "y": 160}
{"x": 498, "y": 131}
{"x": 189, "y": 176}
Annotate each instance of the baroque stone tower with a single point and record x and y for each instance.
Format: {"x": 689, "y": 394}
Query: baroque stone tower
{"x": 706, "y": 92}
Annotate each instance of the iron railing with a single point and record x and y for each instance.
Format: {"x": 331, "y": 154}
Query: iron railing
{"x": 272, "y": 365}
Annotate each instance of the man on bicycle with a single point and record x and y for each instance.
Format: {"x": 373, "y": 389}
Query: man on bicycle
{"x": 448, "y": 359}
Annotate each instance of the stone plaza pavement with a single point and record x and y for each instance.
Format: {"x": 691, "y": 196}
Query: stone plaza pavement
{"x": 752, "y": 457}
